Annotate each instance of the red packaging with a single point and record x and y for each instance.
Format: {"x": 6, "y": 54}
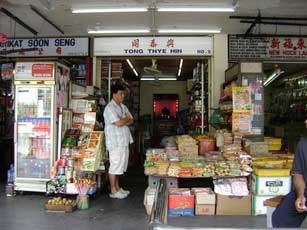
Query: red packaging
{"x": 206, "y": 145}
{"x": 180, "y": 201}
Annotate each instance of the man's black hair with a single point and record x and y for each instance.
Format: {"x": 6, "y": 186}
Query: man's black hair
{"x": 117, "y": 87}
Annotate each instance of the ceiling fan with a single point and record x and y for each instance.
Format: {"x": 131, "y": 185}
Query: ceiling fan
{"x": 154, "y": 72}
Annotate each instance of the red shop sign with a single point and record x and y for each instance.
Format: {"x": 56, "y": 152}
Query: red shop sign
{"x": 3, "y": 38}
{"x": 42, "y": 70}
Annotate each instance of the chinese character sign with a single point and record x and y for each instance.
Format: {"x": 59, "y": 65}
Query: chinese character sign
{"x": 287, "y": 47}
{"x": 154, "y": 46}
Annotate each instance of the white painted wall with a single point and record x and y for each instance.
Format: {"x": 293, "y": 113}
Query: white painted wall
{"x": 148, "y": 89}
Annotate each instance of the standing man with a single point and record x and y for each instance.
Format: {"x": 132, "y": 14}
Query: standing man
{"x": 118, "y": 137}
{"x": 292, "y": 211}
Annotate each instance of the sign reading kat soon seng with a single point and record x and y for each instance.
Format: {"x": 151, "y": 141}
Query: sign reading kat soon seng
{"x": 52, "y": 47}
{"x": 267, "y": 48}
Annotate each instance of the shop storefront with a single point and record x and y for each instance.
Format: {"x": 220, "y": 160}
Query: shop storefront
{"x": 42, "y": 89}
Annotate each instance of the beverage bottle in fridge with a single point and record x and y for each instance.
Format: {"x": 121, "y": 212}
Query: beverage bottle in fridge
{"x": 10, "y": 175}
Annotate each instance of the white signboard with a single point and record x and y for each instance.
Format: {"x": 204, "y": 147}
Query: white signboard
{"x": 153, "y": 46}
{"x": 34, "y": 70}
{"x": 37, "y": 47}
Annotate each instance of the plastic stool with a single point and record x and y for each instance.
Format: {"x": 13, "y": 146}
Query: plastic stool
{"x": 271, "y": 205}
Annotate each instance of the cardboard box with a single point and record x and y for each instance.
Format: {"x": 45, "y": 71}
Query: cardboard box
{"x": 258, "y": 207}
{"x": 180, "y": 212}
{"x": 271, "y": 186}
{"x": 204, "y": 209}
{"x": 232, "y": 205}
{"x": 180, "y": 202}
{"x": 204, "y": 196}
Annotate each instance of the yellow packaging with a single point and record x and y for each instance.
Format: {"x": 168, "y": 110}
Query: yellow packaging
{"x": 272, "y": 171}
{"x": 274, "y": 147}
{"x": 269, "y": 163}
{"x": 272, "y": 141}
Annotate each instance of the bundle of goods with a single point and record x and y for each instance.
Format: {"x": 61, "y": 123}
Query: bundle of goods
{"x": 222, "y": 168}
{"x": 82, "y": 199}
{"x": 231, "y": 187}
{"x": 181, "y": 202}
{"x": 61, "y": 205}
{"x": 150, "y": 168}
{"x": 245, "y": 160}
{"x": 208, "y": 170}
{"x": 197, "y": 172}
{"x": 231, "y": 152}
{"x": 237, "y": 139}
{"x": 172, "y": 153}
{"x": 187, "y": 145}
{"x": 186, "y": 164}
{"x": 156, "y": 155}
{"x": 174, "y": 170}
{"x": 186, "y": 172}
{"x": 234, "y": 168}
{"x": 162, "y": 168}
{"x": 228, "y": 139}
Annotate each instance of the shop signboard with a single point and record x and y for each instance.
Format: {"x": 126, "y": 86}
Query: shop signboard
{"x": 34, "y": 71}
{"x": 153, "y": 46}
{"x": 42, "y": 47}
{"x": 3, "y": 38}
{"x": 267, "y": 48}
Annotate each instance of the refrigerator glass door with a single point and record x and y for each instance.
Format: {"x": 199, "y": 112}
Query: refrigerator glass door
{"x": 34, "y": 105}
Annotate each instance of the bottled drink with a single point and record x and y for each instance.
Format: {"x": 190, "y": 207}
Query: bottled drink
{"x": 10, "y": 175}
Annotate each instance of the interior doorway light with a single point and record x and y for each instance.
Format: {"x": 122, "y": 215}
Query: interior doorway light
{"x": 272, "y": 78}
{"x": 108, "y": 10}
{"x": 180, "y": 67}
{"x": 189, "y": 31}
{"x": 132, "y": 67}
{"x": 196, "y": 9}
{"x": 135, "y": 31}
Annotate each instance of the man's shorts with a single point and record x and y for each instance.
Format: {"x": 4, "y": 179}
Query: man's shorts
{"x": 119, "y": 158}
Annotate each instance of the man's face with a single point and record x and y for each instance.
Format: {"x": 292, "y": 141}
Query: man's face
{"x": 306, "y": 123}
{"x": 119, "y": 96}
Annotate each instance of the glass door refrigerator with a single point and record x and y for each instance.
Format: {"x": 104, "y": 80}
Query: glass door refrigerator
{"x": 35, "y": 124}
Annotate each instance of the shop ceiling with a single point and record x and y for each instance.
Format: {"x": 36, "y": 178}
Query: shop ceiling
{"x": 55, "y": 18}
{"x": 168, "y": 67}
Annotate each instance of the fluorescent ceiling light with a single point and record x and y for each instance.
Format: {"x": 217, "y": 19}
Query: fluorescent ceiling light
{"x": 160, "y": 79}
{"x": 136, "y": 73}
{"x": 108, "y": 10}
{"x": 189, "y": 31}
{"x": 136, "y": 31}
{"x": 132, "y": 67}
{"x": 272, "y": 78}
{"x": 147, "y": 79}
{"x": 180, "y": 67}
{"x": 196, "y": 9}
{"x": 167, "y": 79}
{"x": 130, "y": 64}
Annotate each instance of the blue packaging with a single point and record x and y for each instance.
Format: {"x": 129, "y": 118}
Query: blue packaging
{"x": 180, "y": 212}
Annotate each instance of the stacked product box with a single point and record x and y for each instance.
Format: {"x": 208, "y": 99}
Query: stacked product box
{"x": 181, "y": 202}
{"x": 149, "y": 198}
{"x": 205, "y": 201}
{"x": 266, "y": 186}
